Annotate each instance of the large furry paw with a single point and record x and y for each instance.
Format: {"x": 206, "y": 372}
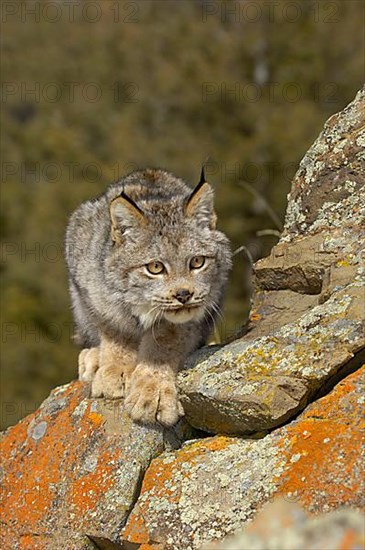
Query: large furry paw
{"x": 88, "y": 364}
{"x": 110, "y": 381}
{"x": 152, "y": 397}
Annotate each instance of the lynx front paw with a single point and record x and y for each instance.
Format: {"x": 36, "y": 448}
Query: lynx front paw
{"x": 88, "y": 364}
{"x": 110, "y": 381}
{"x": 152, "y": 397}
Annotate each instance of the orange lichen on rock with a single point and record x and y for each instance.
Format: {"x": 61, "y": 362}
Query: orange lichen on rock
{"x": 86, "y": 491}
{"x": 67, "y": 476}
{"x": 157, "y": 478}
{"x": 33, "y": 472}
{"x": 136, "y": 530}
{"x": 96, "y": 418}
{"x": 323, "y": 448}
{"x": 34, "y": 542}
{"x": 161, "y": 471}
{"x": 151, "y": 547}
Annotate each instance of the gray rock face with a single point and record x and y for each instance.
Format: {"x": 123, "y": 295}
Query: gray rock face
{"x": 307, "y": 319}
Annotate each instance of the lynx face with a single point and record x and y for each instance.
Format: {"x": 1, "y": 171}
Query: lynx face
{"x": 170, "y": 257}
{"x": 177, "y": 288}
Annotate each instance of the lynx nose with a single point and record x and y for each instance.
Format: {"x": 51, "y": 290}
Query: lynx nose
{"x": 183, "y": 295}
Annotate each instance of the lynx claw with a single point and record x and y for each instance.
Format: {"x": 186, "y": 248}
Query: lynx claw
{"x": 170, "y": 416}
{"x": 110, "y": 382}
{"x": 152, "y": 399}
{"x": 88, "y": 364}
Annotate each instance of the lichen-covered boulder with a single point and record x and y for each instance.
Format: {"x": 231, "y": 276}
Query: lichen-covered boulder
{"x": 284, "y": 525}
{"x": 71, "y": 471}
{"x": 307, "y": 319}
{"x": 211, "y": 487}
{"x": 255, "y": 385}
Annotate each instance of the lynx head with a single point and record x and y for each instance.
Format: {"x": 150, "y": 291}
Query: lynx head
{"x": 171, "y": 261}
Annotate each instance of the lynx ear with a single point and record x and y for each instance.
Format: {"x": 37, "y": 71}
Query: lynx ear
{"x": 199, "y": 204}
{"x": 125, "y": 215}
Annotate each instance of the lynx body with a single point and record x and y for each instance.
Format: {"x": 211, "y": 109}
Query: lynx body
{"x": 147, "y": 270}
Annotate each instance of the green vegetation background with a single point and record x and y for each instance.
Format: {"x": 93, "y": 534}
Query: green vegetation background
{"x": 270, "y": 81}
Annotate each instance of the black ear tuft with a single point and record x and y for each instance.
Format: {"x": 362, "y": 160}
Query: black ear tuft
{"x": 199, "y": 186}
{"x": 202, "y": 175}
{"x": 131, "y": 202}
{"x": 125, "y": 216}
{"x": 199, "y": 204}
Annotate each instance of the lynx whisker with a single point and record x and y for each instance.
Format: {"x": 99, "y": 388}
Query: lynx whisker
{"x": 217, "y": 310}
{"x": 160, "y": 317}
{"x": 153, "y": 327}
{"x": 207, "y": 311}
{"x": 156, "y": 323}
{"x": 157, "y": 312}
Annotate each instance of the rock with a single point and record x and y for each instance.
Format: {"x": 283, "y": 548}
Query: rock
{"x": 307, "y": 318}
{"x": 255, "y": 385}
{"x": 283, "y": 526}
{"x": 71, "y": 471}
{"x": 210, "y": 488}
{"x": 325, "y": 190}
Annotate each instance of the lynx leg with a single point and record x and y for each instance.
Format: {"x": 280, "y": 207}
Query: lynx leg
{"x": 116, "y": 363}
{"x": 152, "y": 396}
{"x": 88, "y": 364}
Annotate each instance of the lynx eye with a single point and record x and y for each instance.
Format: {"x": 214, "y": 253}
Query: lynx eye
{"x": 197, "y": 262}
{"x": 155, "y": 268}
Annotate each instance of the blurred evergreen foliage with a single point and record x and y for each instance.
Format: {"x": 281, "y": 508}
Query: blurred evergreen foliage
{"x": 179, "y": 82}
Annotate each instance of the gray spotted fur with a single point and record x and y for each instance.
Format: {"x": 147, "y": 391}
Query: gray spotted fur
{"x": 107, "y": 285}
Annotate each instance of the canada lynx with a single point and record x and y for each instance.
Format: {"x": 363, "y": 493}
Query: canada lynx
{"x": 147, "y": 271}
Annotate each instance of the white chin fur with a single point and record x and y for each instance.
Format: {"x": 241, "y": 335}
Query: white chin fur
{"x": 184, "y": 315}
{"x": 179, "y": 316}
